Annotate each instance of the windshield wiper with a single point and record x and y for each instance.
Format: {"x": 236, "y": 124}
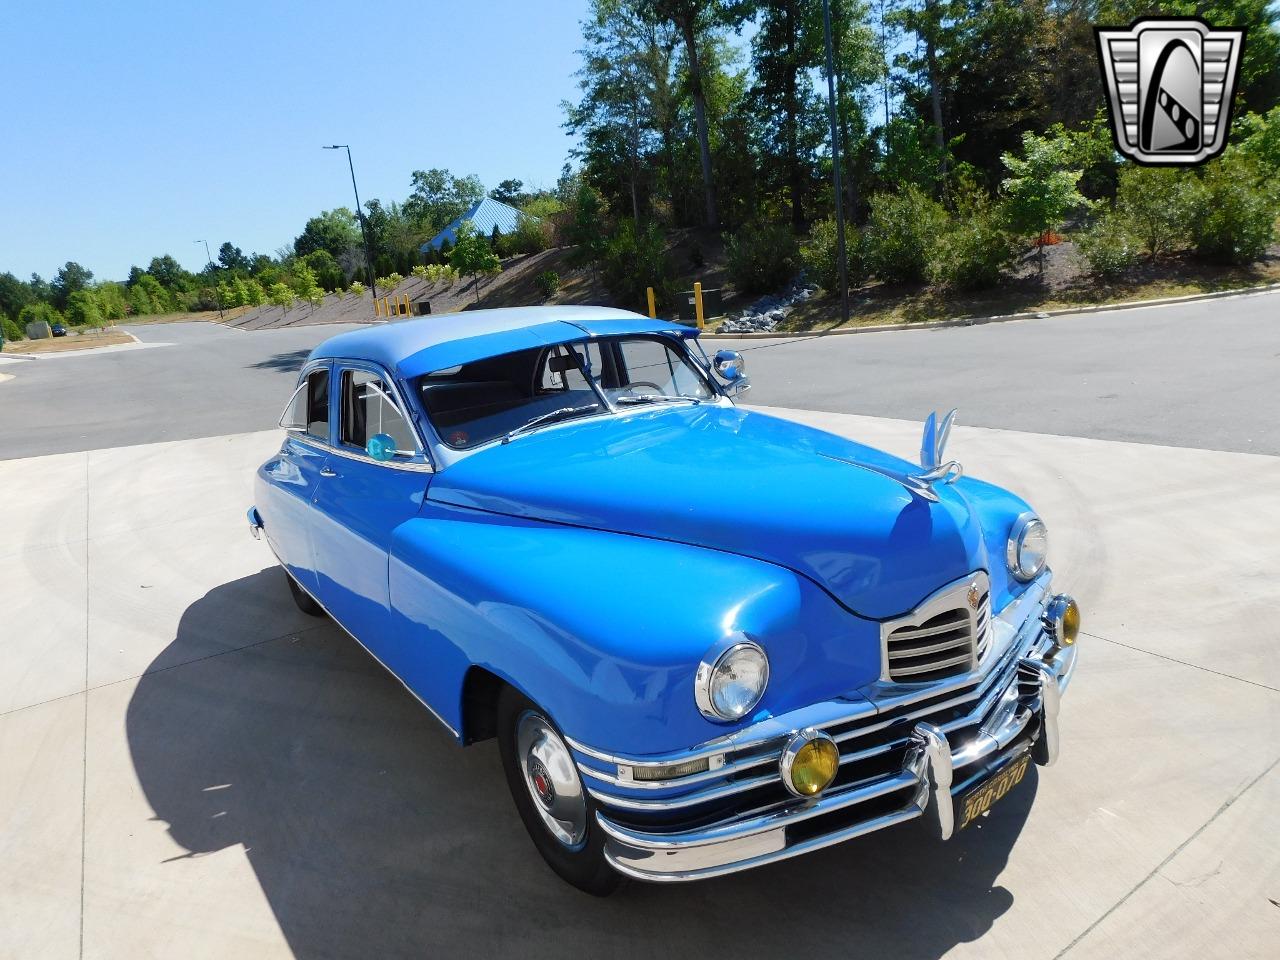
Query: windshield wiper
{"x": 654, "y": 398}
{"x": 544, "y": 417}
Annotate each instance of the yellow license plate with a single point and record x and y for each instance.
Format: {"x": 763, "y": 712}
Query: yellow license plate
{"x": 978, "y": 800}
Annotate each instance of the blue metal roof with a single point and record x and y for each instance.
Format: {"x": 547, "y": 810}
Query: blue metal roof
{"x": 414, "y": 347}
{"x": 484, "y": 215}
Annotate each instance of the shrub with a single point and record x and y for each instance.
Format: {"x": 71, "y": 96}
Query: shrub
{"x": 900, "y": 234}
{"x": 547, "y": 282}
{"x": 1155, "y": 203}
{"x": 228, "y": 295}
{"x": 819, "y": 255}
{"x": 761, "y": 259}
{"x": 633, "y": 259}
{"x": 82, "y": 309}
{"x": 1237, "y": 211}
{"x": 153, "y": 295}
{"x": 1260, "y": 140}
{"x": 249, "y": 292}
{"x": 420, "y": 271}
{"x": 531, "y": 235}
{"x": 35, "y": 312}
{"x": 10, "y": 329}
{"x": 974, "y": 248}
{"x": 390, "y": 281}
{"x": 1108, "y": 248}
{"x": 443, "y": 273}
{"x": 112, "y": 300}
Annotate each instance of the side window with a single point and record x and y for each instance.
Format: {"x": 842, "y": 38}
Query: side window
{"x": 653, "y": 366}
{"x": 560, "y": 367}
{"x": 308, "y": 411}
{"x": 368, "y": 409}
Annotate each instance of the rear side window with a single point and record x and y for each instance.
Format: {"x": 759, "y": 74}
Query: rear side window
{"x": 308, "y": 412}
{"x": 368, "y": 409}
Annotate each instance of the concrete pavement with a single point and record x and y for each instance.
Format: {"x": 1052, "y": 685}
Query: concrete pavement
{"x": 189, "y": 767}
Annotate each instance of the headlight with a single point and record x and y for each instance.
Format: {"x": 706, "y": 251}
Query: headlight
{"x": 1028, "y": 548}
{"x": 730, "y": 681}
{"x": 1062, "y": 618}
{"x": 809, "y": 763}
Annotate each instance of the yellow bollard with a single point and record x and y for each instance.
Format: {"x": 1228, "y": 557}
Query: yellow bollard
{"x": 405, "y": 304}
{"x": 697, "y": 303}
{"x": 377, "y": 308}
{"x": 653, "y": 307}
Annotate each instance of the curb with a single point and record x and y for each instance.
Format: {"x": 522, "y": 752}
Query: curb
{"x": 998, "y": 318}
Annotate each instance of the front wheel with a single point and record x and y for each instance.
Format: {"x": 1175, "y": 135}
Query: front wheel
{"x": 549, "y": 795}
{"x": 306, "y": 603}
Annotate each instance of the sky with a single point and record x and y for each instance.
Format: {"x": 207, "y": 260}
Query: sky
{"x": 133, "y": 129}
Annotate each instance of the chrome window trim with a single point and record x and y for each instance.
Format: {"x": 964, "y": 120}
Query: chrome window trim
{"x": 422, "y": 465}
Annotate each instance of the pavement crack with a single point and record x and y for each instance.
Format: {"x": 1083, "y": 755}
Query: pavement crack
{"x": 1185, "y": 663}
{"x": 1226, "y": 805}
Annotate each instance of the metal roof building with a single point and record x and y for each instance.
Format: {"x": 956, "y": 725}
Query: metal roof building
{"x": 484, "y": 215}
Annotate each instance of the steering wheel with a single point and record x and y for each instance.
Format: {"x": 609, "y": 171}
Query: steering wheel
{"x": 630, "y": 387}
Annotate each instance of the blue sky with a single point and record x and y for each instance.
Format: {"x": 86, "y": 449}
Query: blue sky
{"x": 133, "y": 129}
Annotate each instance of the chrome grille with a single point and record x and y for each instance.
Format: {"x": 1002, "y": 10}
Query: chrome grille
{"x": 945, "y": 636}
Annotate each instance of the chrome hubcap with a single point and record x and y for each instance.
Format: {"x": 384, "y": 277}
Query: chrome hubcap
{"x": 552, "y": 779}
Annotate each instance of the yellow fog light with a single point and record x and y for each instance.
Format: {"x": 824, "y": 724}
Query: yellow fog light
{"x": 809, "y": 763}
{"x": 1062, "y": 619}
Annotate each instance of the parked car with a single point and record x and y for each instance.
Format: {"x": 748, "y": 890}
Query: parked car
{"x": 705, "y": 638}
{"x": 58, "y": 330}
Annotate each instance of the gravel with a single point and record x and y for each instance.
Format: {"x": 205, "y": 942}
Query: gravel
{"x": 766, "y": 313}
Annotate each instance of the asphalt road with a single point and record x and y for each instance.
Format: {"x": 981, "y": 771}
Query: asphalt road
{"x": 1203, "y": 374}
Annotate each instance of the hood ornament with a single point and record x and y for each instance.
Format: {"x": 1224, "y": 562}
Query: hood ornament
{"x": 932, "y": 446}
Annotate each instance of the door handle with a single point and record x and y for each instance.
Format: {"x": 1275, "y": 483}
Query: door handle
{"x": 326, "y": 472}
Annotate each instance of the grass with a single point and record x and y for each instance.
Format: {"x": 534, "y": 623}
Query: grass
{"x": 85, "y": 341}
{"x": 1029, "y": 293}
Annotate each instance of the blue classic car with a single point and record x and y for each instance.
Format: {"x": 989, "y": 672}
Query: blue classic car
{"x": 705, "y": 638}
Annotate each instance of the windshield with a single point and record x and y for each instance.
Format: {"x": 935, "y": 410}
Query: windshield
{"x": 516, "y": 393}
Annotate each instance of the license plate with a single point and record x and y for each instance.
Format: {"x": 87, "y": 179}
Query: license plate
{"x": 978, "y": 800}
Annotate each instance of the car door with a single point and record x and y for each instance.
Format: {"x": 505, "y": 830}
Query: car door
{"x": 293, "y": 475}
{"x": 359, "y": 501}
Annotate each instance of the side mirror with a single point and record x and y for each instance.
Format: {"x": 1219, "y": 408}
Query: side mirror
{"x": 729, "y": 365}
{"x": 381, "y": 447}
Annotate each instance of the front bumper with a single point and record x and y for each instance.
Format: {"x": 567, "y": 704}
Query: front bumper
{"x": 904, "y": 754}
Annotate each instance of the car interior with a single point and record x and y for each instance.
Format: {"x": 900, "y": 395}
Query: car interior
{"x": 477, "y": 402}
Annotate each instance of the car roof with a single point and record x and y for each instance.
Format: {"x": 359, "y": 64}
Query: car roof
{"x": 411, "y": 348}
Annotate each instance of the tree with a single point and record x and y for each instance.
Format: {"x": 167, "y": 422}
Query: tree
{"x": 694, "y": 19}
{"x": 71, "y": 278}
{"x": 169, "y": 272}
{"x": 1156, "y": 206}
{"x": 112, "y": 300}
{"x": 510, "y": 191}
{"x": 82, "y": 309}
{"x": 152, "y": 294}
{"x": 334, "y": 231}
{"x": 472, "y": 255}
{"x": 232, "y": 258}
{"x": 438, "y": 197}
{"x": 280, "y": 296}
{"x": 327, "y": 273}
{"x": 1039, "y": 191}
{"x": 14, "y": 295}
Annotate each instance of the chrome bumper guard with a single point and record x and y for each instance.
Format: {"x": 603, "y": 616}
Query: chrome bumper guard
{"x": 948, "y": 736}
{"x": 255, "y": 523}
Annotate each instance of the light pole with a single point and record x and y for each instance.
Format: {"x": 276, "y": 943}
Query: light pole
{"x": 216, "y": 295}
{"x": 835, "y": 162}
{"x": 364, "y": 230}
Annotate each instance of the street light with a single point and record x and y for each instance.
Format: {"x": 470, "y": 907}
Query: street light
{"x": 364, "y": 231}
{"x": 213, "y": 275}
{"x": 835, "y": 162}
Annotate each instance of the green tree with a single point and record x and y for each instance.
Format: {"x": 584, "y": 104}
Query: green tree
{"x": 473, "y": 256}
{"x": 281, "y": 296}
{"x": 71, "y": 278}
{"x": 901, "y": 234}
{"x": 437, "y": 197}
{"x": 510, "y": 192}
{"x": 36, "y": 311}
{"x": 169, "y": 272}
{"x": 249, "y": 292}
{"x": 335, "y": 231}
{"x": 1039, "y": 191}
{"x": 112, "y": 300}
{"x": 14, "y": 295}
{"x": 1237, "y": 208}
{"x": 155, "y": 296}
{"x": 232, "y": 258}
{"x": 83, "y": 310}
{"x": 328, "y": 275}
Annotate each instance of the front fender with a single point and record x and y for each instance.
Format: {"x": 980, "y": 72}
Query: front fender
{"x": 603, "y": 630}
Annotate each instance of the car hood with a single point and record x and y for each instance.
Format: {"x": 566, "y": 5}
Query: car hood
{"x": 740, "y": 481}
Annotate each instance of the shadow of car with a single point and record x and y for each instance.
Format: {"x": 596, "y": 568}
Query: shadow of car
{"x": 372, "y": 834}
